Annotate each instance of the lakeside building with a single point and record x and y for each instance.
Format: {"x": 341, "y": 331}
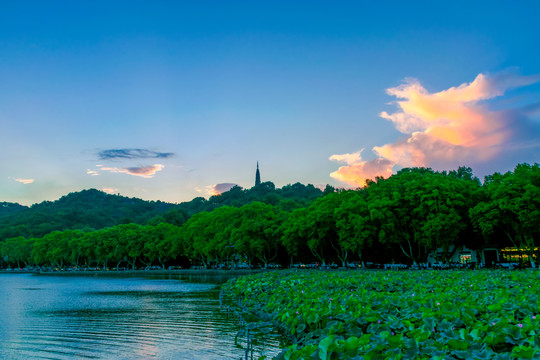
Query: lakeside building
{"x": 487, "y": 256}
{"x": 515, "y": 255}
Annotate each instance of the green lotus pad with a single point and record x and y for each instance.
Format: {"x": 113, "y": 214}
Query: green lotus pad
{"x": 485, "y": 314}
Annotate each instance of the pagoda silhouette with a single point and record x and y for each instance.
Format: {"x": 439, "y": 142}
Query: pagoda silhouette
{"x": 257, "y": 176}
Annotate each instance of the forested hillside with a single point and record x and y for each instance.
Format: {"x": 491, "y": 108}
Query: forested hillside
{"x": 88, "y": 209}
{"x": 399, "y": 219}
{"x": 7, "y": 209}
{"x": 92, "y": 209}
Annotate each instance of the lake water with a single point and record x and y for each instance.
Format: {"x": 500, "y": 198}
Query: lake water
{"x": 94, "y": 317}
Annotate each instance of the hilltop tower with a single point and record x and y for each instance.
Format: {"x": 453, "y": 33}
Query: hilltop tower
{"x": 257, "y": 176}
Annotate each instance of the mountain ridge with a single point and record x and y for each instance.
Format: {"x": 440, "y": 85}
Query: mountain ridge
{"x": 94, "y": 209}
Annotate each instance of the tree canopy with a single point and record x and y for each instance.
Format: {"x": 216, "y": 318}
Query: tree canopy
{"x": 399, "y": 219}
{"x": 94, "y": 209}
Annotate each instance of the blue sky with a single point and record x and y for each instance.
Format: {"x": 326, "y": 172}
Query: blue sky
{"x": 165, "y": 100}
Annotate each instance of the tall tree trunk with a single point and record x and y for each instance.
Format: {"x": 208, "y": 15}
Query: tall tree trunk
{"x": 341, "y": 253}
{"x": 266, "y": 259}
{"x": 520, "y": 251}
{"x": 530, "y": 248}
{"x": 410, "y": 254}
{"x": 320, "y": 257}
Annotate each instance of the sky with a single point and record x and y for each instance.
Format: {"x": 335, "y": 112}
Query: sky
{"x": 171, "y": 100}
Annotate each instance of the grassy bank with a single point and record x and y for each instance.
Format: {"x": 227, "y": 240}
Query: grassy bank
{"x": 399, "y": 315}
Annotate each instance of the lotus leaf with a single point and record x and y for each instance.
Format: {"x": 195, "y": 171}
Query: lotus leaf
{"x": 488, "y": 314}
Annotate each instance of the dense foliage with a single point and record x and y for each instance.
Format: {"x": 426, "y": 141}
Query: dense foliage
{"x": 93, "y": 209}
{"x": 400, "y": 219}
{"x": 399, "y": 315}
{"x": 8, "y": 209}
{"x": 88, "y": 209}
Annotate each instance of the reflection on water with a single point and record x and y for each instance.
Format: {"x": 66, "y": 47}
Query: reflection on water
{"x": 51, "y": 317}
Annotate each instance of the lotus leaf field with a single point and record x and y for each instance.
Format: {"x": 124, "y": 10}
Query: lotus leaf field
{"x": 482, "y": 314}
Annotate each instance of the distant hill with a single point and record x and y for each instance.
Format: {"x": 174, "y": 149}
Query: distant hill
{"x": 288, "y": 197}
{"x": 91, "y": 209}
{"x": 94, "y": 209}
{"x": 7, "y": 209}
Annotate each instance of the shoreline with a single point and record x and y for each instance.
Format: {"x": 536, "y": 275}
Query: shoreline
{"x": 205, "y": 272}
{"x": 215, "y": 272}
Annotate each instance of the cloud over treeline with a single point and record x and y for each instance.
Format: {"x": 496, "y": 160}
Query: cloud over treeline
{"x": 448, "y": 128}
{"x": 130, "y": 154}
{"x": 109, "y": 190}
{"x": 219, "y": 189}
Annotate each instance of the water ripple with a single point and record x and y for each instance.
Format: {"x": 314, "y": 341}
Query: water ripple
{"x": 119, "y": 319}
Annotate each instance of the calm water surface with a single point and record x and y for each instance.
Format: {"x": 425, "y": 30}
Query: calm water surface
{"x": 79, "y": 317}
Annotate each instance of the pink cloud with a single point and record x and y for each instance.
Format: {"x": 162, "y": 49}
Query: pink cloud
{"x": 142, "y": 171}
{"x": 440, "y": 129}
{"x": 110, "y": 190}
{"x": 357, "y": 171}
{"x": 219, "y": 189}
{"x": 24, "y": 181}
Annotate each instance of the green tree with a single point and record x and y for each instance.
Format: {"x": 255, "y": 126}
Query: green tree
{"x": 58, "y": 252}
{"x": 158, "y": 243}
{"x": 513, "y": 207}
{"x": 321, "y": 229}
{"x": 131, "y": 235}
{"x": 257, "y": 232}
{"x": 17, "y": 250}
{"x": 444, "y": 209}
{"x": 74, "y": 243}
{"x": 209, "y": 234}
{"x": 294, "y": 234}
{"x": 105, "y": 245}
{"x": 419, "y": 210}
{"x": 355, "y": 230}
{"x": 392, "y": 206}
{"x": 196, "y": 236}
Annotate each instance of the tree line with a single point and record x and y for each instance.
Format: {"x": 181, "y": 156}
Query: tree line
{"x": 93, "y": 209}
{"x": 402, "y": 219}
